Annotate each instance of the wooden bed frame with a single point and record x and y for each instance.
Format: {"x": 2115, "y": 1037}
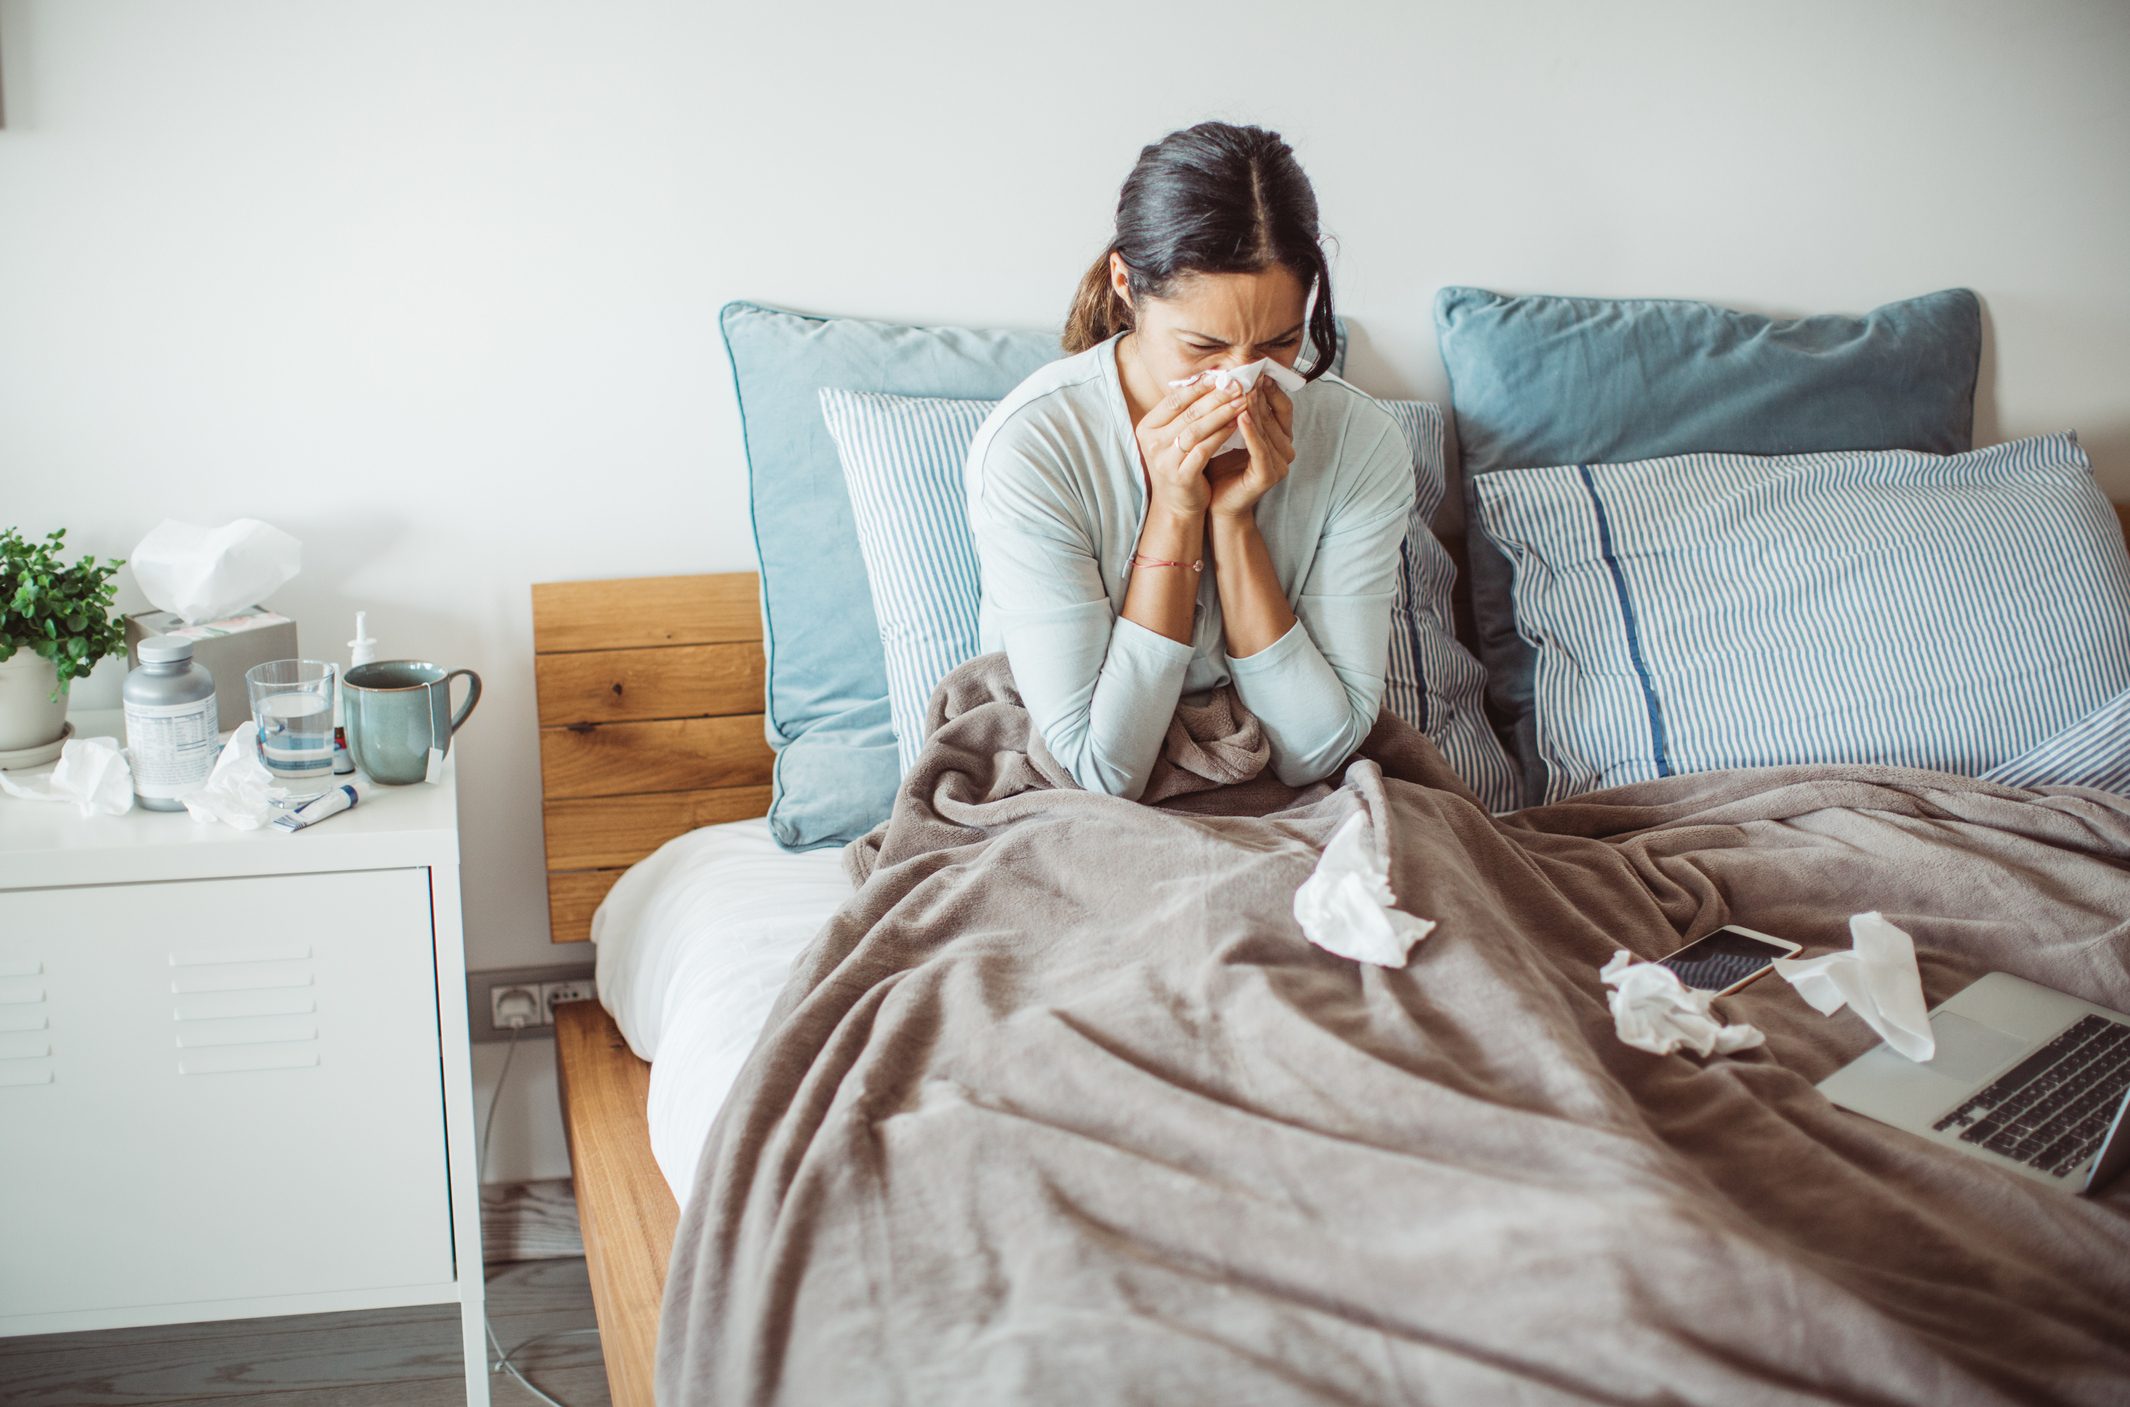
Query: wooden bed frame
{"x": 650, "y": 704}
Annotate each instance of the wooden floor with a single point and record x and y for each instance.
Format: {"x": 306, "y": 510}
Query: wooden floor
{"x": 370, "y": 1358}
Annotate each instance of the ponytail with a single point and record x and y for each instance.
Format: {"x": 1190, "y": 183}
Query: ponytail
{"x": 1097, "y": 313}
{"x": 1210, "y": 199}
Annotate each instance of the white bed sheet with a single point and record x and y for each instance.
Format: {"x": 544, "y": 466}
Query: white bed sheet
{"x": 693, "y": 944}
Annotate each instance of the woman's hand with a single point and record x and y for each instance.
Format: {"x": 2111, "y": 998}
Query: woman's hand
{"x": 1267, "y": 416}
{"x": 1176, "y": 441}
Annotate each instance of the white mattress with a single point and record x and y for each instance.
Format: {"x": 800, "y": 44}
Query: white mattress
{"x": 694, "y": 943}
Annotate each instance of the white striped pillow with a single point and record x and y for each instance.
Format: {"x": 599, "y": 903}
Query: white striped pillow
{"x": 1704, "y": 611}
{"x": 902, "y": 458}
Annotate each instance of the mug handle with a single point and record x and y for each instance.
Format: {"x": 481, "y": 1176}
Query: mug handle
{"x": 473, "y": 696}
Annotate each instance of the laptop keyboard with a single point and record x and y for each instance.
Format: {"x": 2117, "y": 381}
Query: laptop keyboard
{"x": 2052, "y": 1109}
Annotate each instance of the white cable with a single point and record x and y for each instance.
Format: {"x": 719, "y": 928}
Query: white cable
{"x": 502, "y": 1361}
{"x": 507, "y": 1366}
{"x": 488, "y": 1125}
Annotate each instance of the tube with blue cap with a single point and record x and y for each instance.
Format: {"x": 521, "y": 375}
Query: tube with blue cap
{"x": 339, "y": 799}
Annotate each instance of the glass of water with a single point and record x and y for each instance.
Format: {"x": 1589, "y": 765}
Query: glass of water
{"x": 292, "y": 707}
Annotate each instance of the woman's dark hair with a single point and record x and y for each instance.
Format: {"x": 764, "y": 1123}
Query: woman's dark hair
{"x": 1210, "y": 199}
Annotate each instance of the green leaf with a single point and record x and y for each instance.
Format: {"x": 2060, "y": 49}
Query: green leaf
{"x": 63, "y": 612}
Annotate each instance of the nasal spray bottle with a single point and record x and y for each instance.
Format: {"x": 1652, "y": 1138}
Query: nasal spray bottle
{"x": 361, "y": 650}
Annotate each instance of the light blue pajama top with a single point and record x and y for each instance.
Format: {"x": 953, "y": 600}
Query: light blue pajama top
{"x": 1056, "y": 500}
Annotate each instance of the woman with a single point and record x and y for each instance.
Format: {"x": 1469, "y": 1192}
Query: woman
{"x": 1126, "y": 561}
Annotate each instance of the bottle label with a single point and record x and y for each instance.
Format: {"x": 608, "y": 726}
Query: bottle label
{"x": 172, "y": 746}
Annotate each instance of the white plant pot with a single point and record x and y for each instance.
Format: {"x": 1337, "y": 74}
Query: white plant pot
{"x": 29, "y": 717}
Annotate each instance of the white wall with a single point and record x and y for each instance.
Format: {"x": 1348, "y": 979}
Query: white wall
{"x": 434, "y": 285}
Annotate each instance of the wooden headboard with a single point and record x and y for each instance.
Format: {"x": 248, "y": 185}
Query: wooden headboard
{"x": 650, "y": 703}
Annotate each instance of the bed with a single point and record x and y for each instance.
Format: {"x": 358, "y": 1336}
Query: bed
{"x": 650, "y": 711}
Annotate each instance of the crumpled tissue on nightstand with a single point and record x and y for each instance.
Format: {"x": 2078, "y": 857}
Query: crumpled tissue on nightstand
{"x": 239, "y": 792}
{"x": 1288, "y": 380}
{"x": 1344, "y": 907}
{"x": 92, "y": 773}
{"x": 1877, "y": 977}
{"x": 1653, "y": 1010}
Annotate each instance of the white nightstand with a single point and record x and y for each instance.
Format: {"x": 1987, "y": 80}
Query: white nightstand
{"x": 234, "y": 1067}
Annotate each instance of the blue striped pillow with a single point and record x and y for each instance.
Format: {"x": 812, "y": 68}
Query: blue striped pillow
{"x": 902, "y": 459}
{"x": 1432, "y": 681}
{"x": 1949, "y": 612}
{"x": 2093, "y": 752}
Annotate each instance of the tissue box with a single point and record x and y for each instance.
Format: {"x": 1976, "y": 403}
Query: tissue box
{"x": 224, "y": 648}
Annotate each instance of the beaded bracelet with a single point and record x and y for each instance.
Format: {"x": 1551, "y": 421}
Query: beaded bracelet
{"x": 1140, "y": 560}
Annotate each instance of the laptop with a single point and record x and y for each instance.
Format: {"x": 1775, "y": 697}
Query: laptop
{"x": 2025, "y": 1077}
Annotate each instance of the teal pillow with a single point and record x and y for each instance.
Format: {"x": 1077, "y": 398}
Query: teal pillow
{"x": 826, "y": 702}
{"x": 1538, "y": 381}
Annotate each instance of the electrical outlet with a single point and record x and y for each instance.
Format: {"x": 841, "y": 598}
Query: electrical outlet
{"x": 576, "y": 989}
{"x": 486, "y": 1017}
{"x": 520, "y": 1006}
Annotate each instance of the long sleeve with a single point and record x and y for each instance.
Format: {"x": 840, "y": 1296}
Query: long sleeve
{"x": 1318, "y": 688}
{"x": 1100, "y": 688}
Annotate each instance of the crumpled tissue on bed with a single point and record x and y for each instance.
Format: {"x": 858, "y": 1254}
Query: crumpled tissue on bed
{"x": 92, "y": 773}
{"x": 1288, "y": 380}
{"x": 1344, "y": 906}
{"x": 1653, "y": 1010}
{"x": 1877, "y": 977}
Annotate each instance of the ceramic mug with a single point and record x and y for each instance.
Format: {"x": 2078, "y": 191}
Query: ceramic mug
{"x": 398, "y": 712}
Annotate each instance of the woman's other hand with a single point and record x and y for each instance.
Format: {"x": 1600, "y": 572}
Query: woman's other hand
{"x": 1177, "y": 439}
{"x": 1267, "y": 416}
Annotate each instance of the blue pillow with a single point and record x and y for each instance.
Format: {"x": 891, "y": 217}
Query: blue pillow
{"x": 1537, "y": 380}
{"x": 826, "y": 701}
{"x": 1711, "y": 611}
{"x": 903, "y": 458}
{"x": 1432, "y": 681}
{"x": 827, "y": 694}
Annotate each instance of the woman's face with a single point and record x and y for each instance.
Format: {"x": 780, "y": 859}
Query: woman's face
{"x": 1212, "y": 321}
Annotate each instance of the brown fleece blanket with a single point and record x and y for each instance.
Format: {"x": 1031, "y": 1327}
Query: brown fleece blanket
{"x": 1061, "y": 1107}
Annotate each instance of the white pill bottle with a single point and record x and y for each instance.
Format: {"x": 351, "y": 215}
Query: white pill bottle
{"x": 170, "y": 722}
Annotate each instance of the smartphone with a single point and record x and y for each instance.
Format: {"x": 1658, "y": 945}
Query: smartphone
{"x": 1723, "y": 961}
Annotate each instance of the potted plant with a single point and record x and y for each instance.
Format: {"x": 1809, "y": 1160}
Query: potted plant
{"x": 56, "y": 622}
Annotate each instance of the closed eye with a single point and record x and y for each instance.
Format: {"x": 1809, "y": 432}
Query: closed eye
{"x": 1206, "y": 348}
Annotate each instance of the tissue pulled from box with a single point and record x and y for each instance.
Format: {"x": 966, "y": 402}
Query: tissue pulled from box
{"x": 203, "y": 574}
{"x": 1877, "y": 978}
{"x": 239, "y": 792}
{"x": 1653, "y": 1010}
{"x": 92, "y": 773}
{"x": 1344, "y": 907}
{"x": 1247, "y": 377}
